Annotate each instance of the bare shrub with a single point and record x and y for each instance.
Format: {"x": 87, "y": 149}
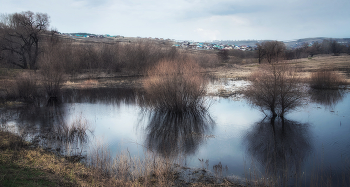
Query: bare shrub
{"x": 206, "y": 60}
{"x": 175, "y": 85}
{"x": 110, "y": 57}
{"x": 70, "y": 57}
{"x": 140, "y": 55}
{"x": 275, "y": 88}
{"x": 51, "y": 69}
{"x": 26, "y": 86}
{"x": 235, "y": 60}
{"x": 223, "y": 55}
{"x": 326, "y": 79}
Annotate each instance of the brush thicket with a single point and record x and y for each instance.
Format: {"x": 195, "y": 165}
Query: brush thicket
{"x": 326, "y": 79}
{"x": 175, "y": 85}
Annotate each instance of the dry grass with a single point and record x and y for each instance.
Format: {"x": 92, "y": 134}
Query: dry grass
{"x": 70, "y": 136}
{"x": 58, "y": 170}
{"x": 326, "y": 79}
{"x": 132, "y": 171}
{"x": 175, "y": 85}
{"x": 101, "y": 168}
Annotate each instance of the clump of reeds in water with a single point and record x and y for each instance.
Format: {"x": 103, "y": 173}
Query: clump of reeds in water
{"x": 68, "y": 137}
{"x": 175, "y": 85}
{"x": 326, "y": 79}
{"x": 75, "y": 132}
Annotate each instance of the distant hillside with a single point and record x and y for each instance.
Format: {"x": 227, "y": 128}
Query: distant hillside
{"x": 289, "y": 44}
{"x": 300, "y": 42}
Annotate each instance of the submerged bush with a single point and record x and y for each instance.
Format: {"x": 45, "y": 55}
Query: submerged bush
{"x": 275, "y": 88}
{"x": 326, "y": 79}
{"x": 175, "y": 85}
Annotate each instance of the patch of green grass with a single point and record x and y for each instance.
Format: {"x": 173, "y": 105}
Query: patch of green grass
{"x": 14, "y": 175}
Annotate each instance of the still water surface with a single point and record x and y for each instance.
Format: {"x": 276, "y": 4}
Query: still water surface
{"x": 312, "y": 140}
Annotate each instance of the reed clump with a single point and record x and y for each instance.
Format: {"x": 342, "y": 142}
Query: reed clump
{"x": 326, "y": 79}
{"x": 175, "y": 85}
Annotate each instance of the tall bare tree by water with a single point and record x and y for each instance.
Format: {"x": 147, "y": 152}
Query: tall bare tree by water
{"x": 20, "y": 35}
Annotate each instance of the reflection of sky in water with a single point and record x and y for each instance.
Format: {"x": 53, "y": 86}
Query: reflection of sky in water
{"x": 331, "y": 133}
{"x": 113, "y": 126}
{"x": 119, "y": 127}
{"x": 232, "y": 119}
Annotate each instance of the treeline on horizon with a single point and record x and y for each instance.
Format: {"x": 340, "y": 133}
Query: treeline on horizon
{"x": 26, "y": 42}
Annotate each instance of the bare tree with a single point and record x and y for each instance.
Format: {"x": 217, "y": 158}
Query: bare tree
{"x": 335, "y": 47}
{"x": 272, "y": 51}
{"x": 314, "y": 49}
{"x": 260, "y": 52}
{"x": 223, "y": 55}
{"x": 51, "y": 64}
{"x": 275, "y": 88}
{"x": 20, "y": 35}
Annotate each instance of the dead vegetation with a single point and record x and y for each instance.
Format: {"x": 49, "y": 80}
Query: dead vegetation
{"x": 176, "y": 85}
{"x": 23, "y": 165}
{"x": 275, "y": 88}
{"x": 26, "y": 86}
{"x": 326, "y": 79}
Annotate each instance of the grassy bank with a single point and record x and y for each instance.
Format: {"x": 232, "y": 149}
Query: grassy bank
{"x": 22, "y": 164}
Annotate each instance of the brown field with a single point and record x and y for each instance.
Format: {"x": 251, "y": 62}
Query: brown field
{"x": 305, "y": 65}
{"x": 93, "y": 79}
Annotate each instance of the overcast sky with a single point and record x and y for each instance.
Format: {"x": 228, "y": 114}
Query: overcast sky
{"x": 198, "y": 20}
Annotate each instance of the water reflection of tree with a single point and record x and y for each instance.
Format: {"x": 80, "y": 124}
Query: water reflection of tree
{"x": 46, "y": 126}
{"x": 280, "y": 146}
{"x": 328, "y": 98}
{"x": 170, "y": 134}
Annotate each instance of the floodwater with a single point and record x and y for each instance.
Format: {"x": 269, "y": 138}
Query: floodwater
{"x": 310, "y": 143}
